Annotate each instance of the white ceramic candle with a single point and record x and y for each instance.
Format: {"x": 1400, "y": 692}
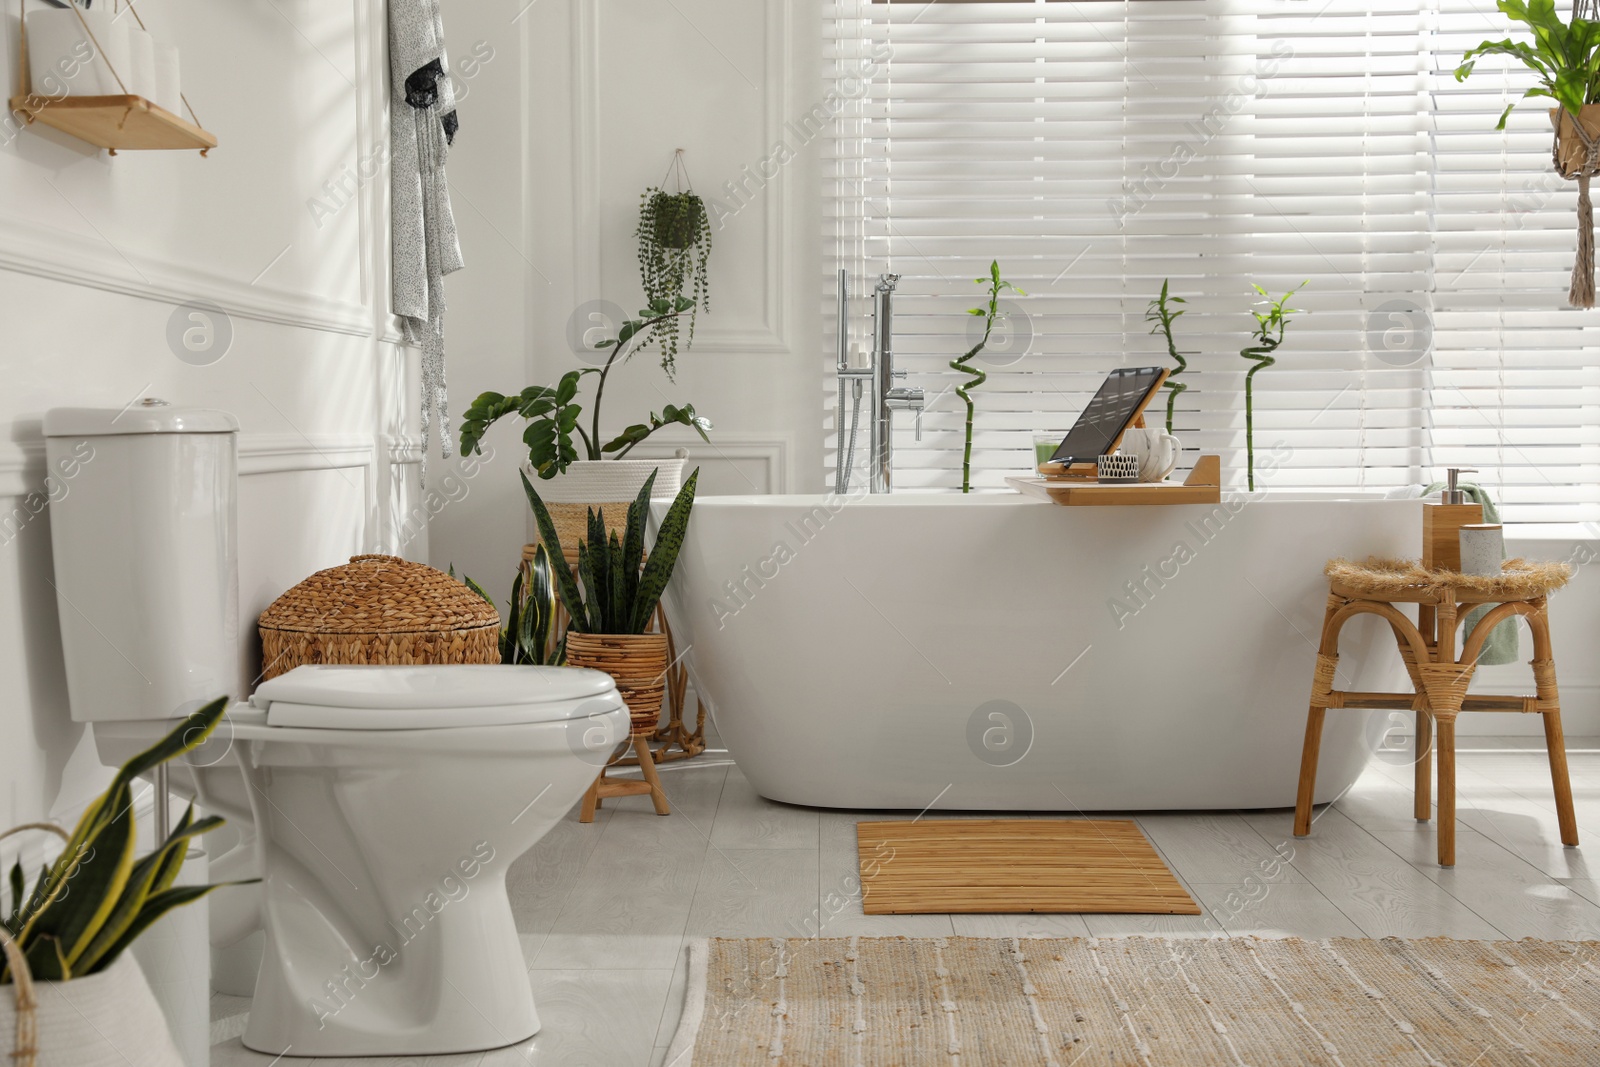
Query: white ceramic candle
{"x": 69, "y": 57}
{"x": 1483, "y": 549}
{"x": 169, "y": 91}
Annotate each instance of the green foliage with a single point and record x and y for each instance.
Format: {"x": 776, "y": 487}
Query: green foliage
{"x": 531, "y": 614}
{"x": 95, "y": 899}
{"x": 1268, "y": 335}
{"x": 1565, "y": 57}
{"x": 1163, "y": 315}
{"x": 553, "y": 411}
{"x": 989, "y": 312}
{"x": 674, "y": 238}
{"x": 616, "y": 589}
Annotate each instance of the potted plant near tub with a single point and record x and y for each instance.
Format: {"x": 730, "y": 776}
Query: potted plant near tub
{"x": 611, "y": 602}
{"x": 70, "y": 996}
{"x": 584, "y": 469}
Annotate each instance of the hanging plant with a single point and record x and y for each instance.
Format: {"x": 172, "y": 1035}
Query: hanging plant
{"x": 1163, "y": 315}
{"x": 990, "y": 312}
{"x": 1566, "y": 59}
{"x": 674, "y": 236}
{"x": 1268, "y": 335}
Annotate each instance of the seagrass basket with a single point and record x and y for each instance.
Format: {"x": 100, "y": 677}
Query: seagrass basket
{"x": 378, "y": 609}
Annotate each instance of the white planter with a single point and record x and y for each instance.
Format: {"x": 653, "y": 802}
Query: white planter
{"x": 602, "y": 481}
{"x": 109, "y": 1019}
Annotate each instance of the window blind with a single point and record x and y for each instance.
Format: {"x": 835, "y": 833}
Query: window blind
{"x": 1096, "y": 149}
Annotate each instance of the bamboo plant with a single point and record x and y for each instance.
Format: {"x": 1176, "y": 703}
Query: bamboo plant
{"x": 530, "y": 614}
{"x": 553, "y": 411}
{"x": 95, "y": 899}
{"x": 989, "y": 312}
{"x": 616, "y": 588}
{"x": 1163, "y": 315}
{"x": 1268, "y": 335}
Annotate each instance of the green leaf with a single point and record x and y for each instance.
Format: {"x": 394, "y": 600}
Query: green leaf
{"x": 154, "y": 908}
{"x": 633, "y": 543}
{"x": 566, "y": 584}
{"x": 616, "y": 584}
{"x": 663, "y": 556}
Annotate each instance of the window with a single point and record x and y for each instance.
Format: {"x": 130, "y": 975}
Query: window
{"x": 1097, "y": 148}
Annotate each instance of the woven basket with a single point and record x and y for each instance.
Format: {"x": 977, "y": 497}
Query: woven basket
{"x": 636, "y": 662}
{"x": 378, "y": 609}
{"x": 1569, "y": 155}
{"x": 609, "y": 485}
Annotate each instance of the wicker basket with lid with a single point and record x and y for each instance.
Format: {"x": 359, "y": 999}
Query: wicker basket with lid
{"x": 378, "y": 609}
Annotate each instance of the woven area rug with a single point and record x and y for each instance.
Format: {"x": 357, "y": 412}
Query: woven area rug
{"x": 940, "y": 866}
{"x": 1076, "y": 1002}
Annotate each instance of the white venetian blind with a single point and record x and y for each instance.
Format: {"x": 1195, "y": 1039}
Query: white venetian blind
{"x": 1097, "y": 148}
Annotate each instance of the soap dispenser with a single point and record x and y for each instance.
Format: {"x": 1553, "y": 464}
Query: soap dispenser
{"x": 1442, "y": 522}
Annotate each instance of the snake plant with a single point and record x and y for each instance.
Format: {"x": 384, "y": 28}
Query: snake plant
{"x": 531, "y": 615}
{"x": 96, "y": 898}
{"x": 619, "y": 588}
{"x": 1268, "y": 335}
{"x": 989, "y": 312}
{"x": 1163, "y": 315}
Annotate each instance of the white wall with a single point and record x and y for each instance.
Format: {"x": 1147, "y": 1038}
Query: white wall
{"x": 97, "y": 251}
{"x": 587, "y": 101}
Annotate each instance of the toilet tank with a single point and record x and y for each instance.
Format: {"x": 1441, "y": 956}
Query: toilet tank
{"x": 143, "y": 527}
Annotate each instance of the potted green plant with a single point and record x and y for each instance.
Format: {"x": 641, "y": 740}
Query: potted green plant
{"x": 70, "y": 932}
{"x": 674, "y": 245}
{"x": 586, "y": 470}
{"x": 1268, "y": 335}
{"x": 611, "y": 601}
{"x": 1162, "y": 314}
{"x": 528, "y": 636}
{"x": 1565, "y": 58}
{"x": 989, "y": 312}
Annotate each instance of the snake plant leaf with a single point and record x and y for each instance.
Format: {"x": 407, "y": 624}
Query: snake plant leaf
{"x": 591, "y": 583}
{"x": 617, "y": 605}
{"x": 565, "y": 582}
{"x": 97, "y": 876}
{"x": 153, "y": 874}
{"x": 18, "y": 887}
{"x": 664, "y": 556}
{"x": 157, "y": 906}
{"x": 540, "y": 610}
{"x": 597, "y": 593}
{"x": 46, "y": 961}
{"x": 633, "y": 542}
{"x": 474, "y": 586}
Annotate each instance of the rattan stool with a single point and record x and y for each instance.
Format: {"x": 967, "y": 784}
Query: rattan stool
{"x": 1439, "y": 678}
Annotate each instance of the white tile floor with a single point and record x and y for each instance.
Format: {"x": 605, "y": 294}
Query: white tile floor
{"x": 605, "y": 909}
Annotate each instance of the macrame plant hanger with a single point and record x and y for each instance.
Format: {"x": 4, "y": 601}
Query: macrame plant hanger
{"x": 1582, "y": 167}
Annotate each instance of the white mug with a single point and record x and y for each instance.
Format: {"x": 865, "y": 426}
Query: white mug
{"x": 1157, "y": 450}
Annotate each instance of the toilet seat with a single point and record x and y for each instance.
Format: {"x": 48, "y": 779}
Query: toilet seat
{"x": 432, "y": 696}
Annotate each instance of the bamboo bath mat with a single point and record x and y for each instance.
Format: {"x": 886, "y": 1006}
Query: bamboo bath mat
{"x": 1139, "y": 1002}
{"x": 1014, "y": 865}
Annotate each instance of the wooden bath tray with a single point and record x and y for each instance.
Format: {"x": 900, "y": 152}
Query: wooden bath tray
{"x": 1203, "y": 486}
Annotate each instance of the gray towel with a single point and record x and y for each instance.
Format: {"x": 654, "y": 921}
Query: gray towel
{"x": 422, "y": 123}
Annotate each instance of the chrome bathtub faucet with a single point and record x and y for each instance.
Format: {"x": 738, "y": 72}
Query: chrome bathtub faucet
{"x": 887, "y": 397}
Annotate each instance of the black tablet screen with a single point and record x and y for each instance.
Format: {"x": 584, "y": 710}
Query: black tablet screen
{"x": 1107, "y": 414}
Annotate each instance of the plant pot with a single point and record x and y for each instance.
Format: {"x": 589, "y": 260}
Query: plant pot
{"x": 609, "y": 485}
{"x": 636, "y": 662}
{"x": 1569, "y": 154}
{"x": 677, "y": 219}
{"x": 109, "y": 1019}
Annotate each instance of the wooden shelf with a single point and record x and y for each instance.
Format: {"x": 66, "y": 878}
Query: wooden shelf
{"x": 1203, "y": 486}
{"x": 115, "y": 122}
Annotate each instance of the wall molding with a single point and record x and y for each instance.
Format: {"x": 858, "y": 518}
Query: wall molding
{"x": 30, "y": 248}
{"x": 773, "y": 450}
{"x": 770, "y": 334}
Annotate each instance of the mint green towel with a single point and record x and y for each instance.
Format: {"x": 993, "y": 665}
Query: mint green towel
{"x": 1502, "y": 645}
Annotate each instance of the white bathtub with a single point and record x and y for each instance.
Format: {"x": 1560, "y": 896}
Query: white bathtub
{"x": 988, "y": 651}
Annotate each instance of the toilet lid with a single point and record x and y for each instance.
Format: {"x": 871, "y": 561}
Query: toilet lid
{"x": 422, "y": 697}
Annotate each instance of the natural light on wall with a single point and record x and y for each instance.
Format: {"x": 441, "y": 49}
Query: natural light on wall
{"x": 1096, "y": 148}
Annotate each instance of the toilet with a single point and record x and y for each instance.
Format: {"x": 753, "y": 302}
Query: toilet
{"x": 380, "y": 806}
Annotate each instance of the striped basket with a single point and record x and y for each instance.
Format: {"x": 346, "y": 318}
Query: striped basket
{"x": 636, "y": 662}
{"x": 608, "y": 485}
{"x": 378, "y": 609}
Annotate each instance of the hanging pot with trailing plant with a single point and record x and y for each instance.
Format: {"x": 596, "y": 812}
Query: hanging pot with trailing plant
{"x": 674, "y": 238}
{"x": 1566, "y": 59}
